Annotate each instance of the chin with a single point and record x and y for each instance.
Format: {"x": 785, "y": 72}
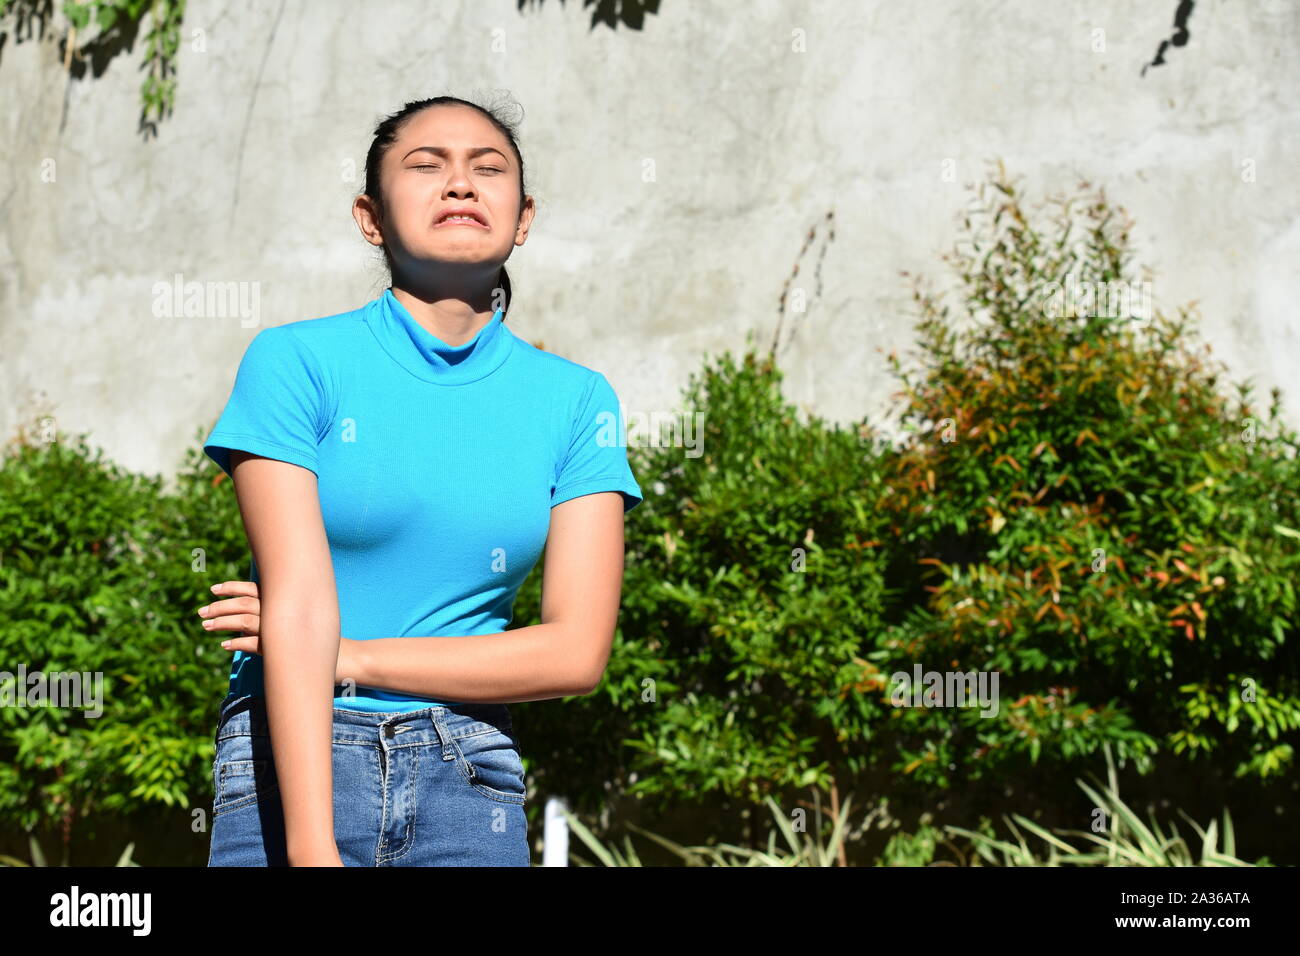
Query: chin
{"x": 460, "y": 258}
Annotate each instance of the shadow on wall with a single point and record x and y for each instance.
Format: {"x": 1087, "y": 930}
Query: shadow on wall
{"x": 95, "y": 32}
{"x": 631, "y": 13}
{"x": 1180, "y": 36}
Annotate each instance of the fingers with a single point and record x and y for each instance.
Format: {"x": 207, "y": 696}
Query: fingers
{"x": 238, "y": 605}
{"x": 238, "y": 610}
{"x": 245, "y": 623}
{"x": 235, "y": 589}
{"x": 232, "y": 614}
{"x": 249, "y": 644}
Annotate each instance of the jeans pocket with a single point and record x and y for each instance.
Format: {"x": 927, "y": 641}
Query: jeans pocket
{"x": 489, "y": 761}
{"x": 243, "y": 773}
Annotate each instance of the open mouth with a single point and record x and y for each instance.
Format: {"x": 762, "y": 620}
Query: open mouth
{"x": 460, "y": 217}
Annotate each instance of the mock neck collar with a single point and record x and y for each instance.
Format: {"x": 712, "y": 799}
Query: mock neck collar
{"x": 428, "y": 357}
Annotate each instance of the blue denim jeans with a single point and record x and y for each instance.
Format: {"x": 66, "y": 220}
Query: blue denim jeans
{"x": 442, "y": 786}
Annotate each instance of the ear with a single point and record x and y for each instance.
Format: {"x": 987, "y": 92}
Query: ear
{"x": 368, "y": 219}
{"x": 525, "y": 220}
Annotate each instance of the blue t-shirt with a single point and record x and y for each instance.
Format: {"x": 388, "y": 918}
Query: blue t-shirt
{"x": 437, "y": 466}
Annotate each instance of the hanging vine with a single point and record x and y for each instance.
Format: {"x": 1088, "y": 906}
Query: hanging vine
{"x": 99, "y": 29}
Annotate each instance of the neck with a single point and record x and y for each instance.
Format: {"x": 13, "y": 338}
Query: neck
{"x": 452, "y": 318}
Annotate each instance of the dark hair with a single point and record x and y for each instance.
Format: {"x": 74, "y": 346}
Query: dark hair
{"x": 386, "y": 134}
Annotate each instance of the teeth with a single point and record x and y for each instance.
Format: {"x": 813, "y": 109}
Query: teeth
{"x": 464, "y": 218}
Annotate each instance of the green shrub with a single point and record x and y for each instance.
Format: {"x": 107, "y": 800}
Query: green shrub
{"x": 1098, "y": 522}
{"x": 1103, "y": 529}
{"x": 100, "y": 573}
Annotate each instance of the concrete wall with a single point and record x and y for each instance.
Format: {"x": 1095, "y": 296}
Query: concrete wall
{"x": 759, "y": 118}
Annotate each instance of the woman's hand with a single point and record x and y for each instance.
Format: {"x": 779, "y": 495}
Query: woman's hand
{"x": 240, "y": 609}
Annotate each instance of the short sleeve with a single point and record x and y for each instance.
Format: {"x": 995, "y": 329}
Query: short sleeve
{"x": 596, "y": 459}
{"x": 275, "y": 408}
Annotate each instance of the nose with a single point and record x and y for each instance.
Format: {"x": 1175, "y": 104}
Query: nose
{"x": 458, "y": 185}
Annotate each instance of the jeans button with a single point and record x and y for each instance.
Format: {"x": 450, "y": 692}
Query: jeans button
{"x": 388, "y": 730}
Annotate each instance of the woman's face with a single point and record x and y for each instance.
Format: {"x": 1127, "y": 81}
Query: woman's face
{"x": 449, "y": 157}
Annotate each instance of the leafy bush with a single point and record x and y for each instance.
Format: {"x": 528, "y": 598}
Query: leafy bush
{"x": 100, "y": 573}
{"x": 1101, "y": 525}
{"x": 1075, "y": 507}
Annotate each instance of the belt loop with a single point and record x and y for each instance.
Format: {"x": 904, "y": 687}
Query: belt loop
{"x": 437, "y": 716}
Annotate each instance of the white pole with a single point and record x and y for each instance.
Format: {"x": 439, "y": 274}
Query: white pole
{"x": 555, "y": 834}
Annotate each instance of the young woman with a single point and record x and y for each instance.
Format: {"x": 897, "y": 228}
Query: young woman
{"x": 399, "y": 469}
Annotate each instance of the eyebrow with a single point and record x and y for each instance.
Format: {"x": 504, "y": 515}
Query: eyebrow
{"x": 443, "y": 151}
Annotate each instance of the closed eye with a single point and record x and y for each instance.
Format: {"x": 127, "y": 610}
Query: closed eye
{"x": 481, "y": 169}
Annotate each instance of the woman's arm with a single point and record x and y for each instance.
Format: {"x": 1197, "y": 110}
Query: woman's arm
{"x": 299, "y": 615}
{"x": 565, "y": 655}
